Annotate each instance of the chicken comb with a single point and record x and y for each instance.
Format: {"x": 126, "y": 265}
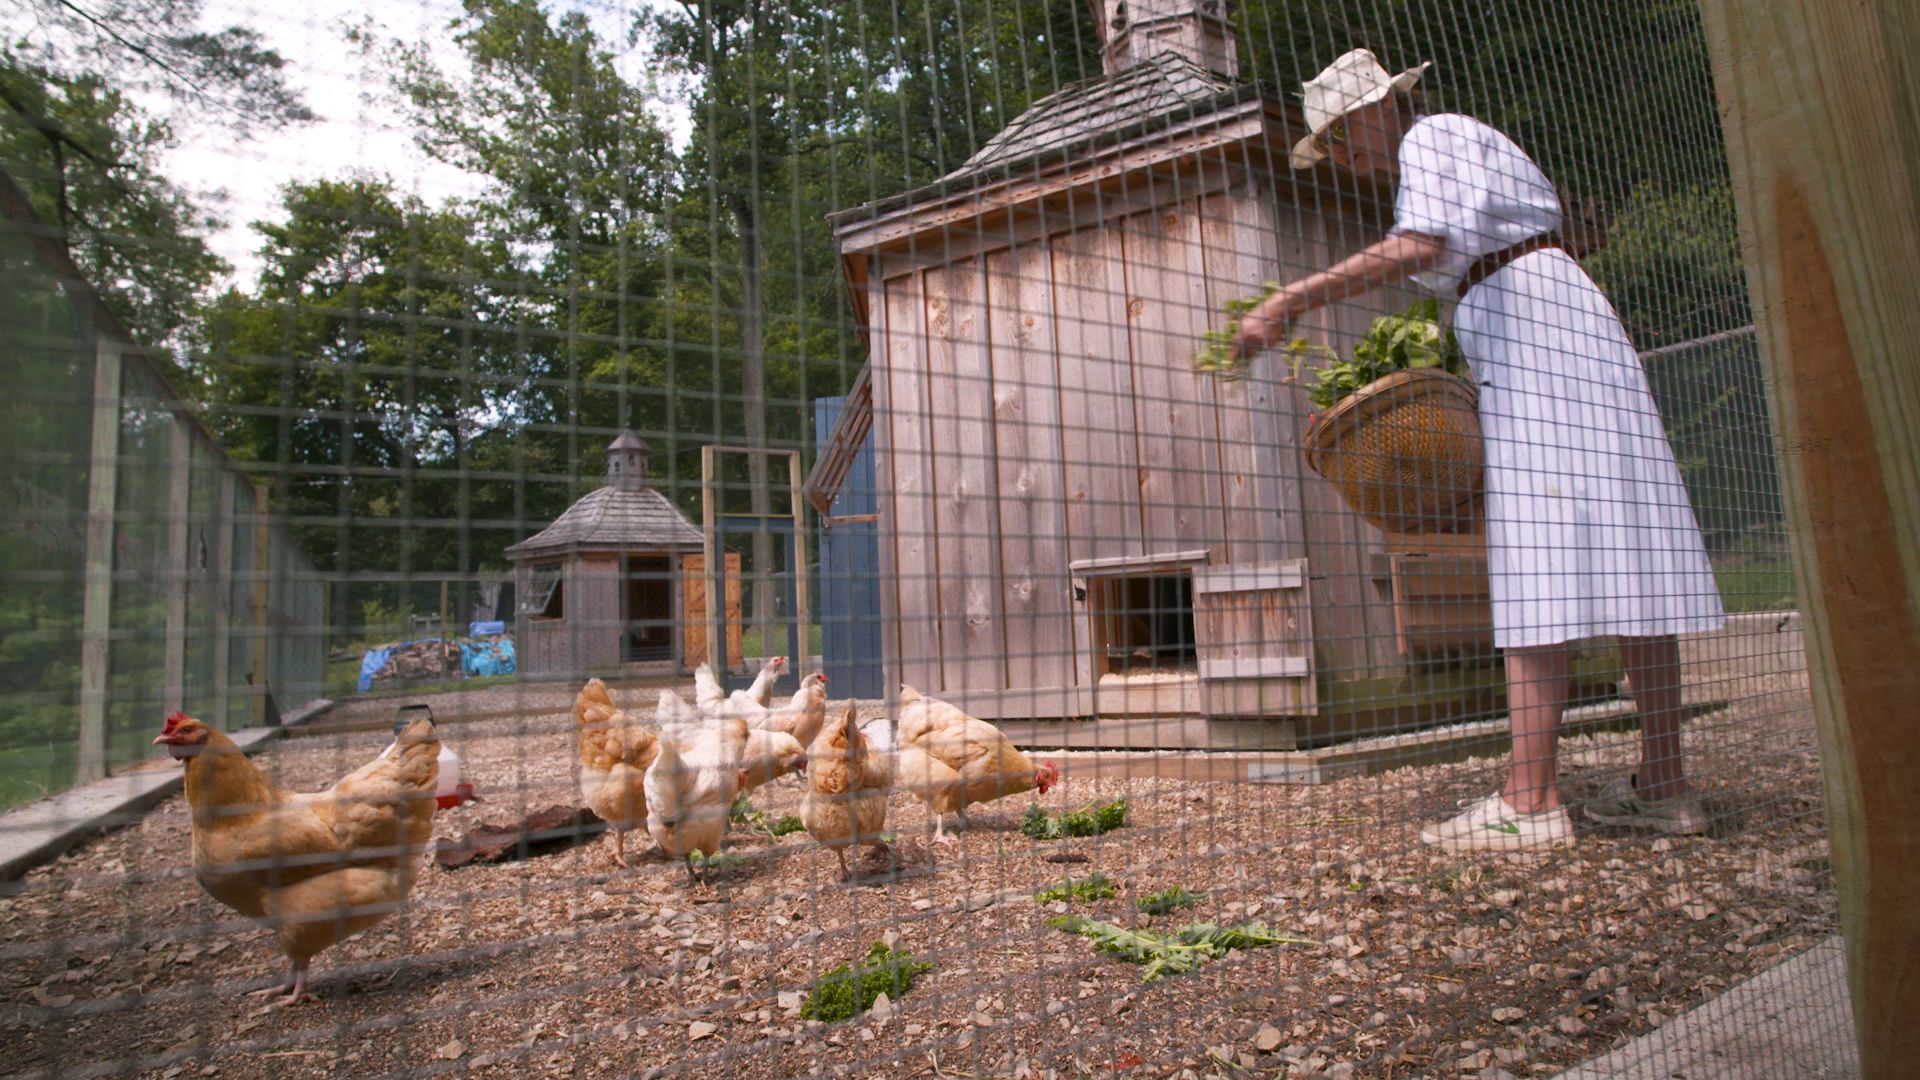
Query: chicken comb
{"x": 174, "y": 720}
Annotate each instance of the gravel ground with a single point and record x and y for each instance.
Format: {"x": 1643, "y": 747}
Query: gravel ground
{"x": 116, "y": 963}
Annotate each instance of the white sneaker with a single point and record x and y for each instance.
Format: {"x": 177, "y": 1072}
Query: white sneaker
{"x": 1492, "y": 825}
{"x": 1620, "y": 804}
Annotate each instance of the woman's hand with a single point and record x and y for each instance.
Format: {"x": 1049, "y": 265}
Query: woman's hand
{"x": 1266, "y": 325}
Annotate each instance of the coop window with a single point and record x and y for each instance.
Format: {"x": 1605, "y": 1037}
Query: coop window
{"x": 1144, "y": 623}
{"x": 546, "y": 593}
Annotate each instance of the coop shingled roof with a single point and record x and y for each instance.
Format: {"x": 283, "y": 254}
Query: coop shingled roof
{"x": 611, "y": 518}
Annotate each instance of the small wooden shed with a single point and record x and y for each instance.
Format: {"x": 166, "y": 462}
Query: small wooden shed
{"x": 1073, "y": 522}
{"x": 617, "y": 582}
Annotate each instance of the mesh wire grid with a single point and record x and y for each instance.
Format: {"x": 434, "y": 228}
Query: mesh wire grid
{"x": 379, "y": 355}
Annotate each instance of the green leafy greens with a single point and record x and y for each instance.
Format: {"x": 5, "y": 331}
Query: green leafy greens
{"x": 1174, "y": 952}
{"x": 1411, "y": 339}
{"x": 1095, "y": 886}
{"x": 1091, "y": 820}
{"x": 847, "y": 991}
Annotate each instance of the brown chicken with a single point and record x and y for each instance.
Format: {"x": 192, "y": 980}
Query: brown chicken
{"x": 846, "y": 800}
{"x": 615, "y": 751}
{"x": 770, "y": 754}
{"x": 315, "y": 868}
{"x": 801, "y": 716}
{"x": 950, "y": 760}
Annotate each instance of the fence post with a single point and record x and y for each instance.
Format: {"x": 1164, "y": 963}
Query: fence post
{"x": 174, "y": 578}
{"x": 263, "y": 582}
{"x": 96, "y": 604}
{"x": 1821, "y": 108}
{"x": 802, "y": 596}
{"x": 222, "y": 590}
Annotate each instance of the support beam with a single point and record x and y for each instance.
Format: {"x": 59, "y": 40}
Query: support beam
{"x": 1821, "y": 105}
{"x": 175, "y": 563}
{"x": 803, "y": 612}
{"x": 221, "y": 590}
{"x": 96, "y": 604}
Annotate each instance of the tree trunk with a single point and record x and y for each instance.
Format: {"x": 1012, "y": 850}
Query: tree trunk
{"x": 753, "y": 392}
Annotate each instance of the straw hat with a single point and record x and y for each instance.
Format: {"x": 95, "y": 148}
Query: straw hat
{"x": 1354, "y": 81}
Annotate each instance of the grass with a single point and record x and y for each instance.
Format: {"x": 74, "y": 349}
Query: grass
{"x": 28, "y": 773}
{"x": 1759, "y": 583}
{"x": 343, "y": 681}
{"x": 774, "y": 640}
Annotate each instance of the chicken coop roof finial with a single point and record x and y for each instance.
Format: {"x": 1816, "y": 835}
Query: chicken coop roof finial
{"x": 627, "y": 462}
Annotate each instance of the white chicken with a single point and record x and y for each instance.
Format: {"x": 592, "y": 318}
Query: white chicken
{"x": 691, "y": 784}
{"x": 708, "y": 693}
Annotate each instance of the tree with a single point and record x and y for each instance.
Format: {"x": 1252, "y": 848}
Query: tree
{"x": 379, "y": 342}
{"x": 228, "y": 76}
{"x": 88, "y": 159}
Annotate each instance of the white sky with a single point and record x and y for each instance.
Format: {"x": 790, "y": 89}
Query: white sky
{"x": 358, "y": 129}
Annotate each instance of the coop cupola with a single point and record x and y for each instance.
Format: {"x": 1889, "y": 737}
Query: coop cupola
{"x": 1134, "y": 30}
{"x": 627, "y": 463}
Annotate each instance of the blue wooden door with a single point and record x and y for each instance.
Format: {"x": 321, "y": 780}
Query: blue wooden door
{"x": 850, "y": 574}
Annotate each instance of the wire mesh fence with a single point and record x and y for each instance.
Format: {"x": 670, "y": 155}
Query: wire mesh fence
{"x": 1294, "y": 552}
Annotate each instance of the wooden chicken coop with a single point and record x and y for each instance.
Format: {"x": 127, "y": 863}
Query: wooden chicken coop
{"x": 1074, "y": 523}
{"x": 618, "y": 583}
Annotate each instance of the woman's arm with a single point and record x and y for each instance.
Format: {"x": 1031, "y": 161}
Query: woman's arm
{"x": 1395, "y": 258}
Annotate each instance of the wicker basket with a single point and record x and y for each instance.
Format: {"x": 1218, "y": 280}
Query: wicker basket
{"x": 1405, "y": 451}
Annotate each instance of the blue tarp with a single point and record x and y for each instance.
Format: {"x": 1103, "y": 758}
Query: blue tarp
{"x": 372, "y": 663}
{"x": 487, "y": 657}
{"x": 490, "y": 657}
{"x": 487, "y": 629}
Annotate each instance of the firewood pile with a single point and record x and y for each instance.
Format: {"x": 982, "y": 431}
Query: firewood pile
{"x": 428, "y": 659}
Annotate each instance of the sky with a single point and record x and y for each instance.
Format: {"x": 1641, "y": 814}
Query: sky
{"x": 359, "y": 128}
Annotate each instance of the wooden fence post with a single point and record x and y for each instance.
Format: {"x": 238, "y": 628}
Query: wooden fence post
{"x": 173, "y": 578}
{"x": 1821, "y": 106}
{"x": 96, "y": 604}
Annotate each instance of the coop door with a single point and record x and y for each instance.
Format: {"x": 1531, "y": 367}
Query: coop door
{"x": 1253, "y": 626}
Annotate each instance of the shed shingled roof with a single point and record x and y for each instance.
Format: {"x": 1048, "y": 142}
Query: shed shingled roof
{"x": 1161, "y": 89}
{"x": 609, "y": 519}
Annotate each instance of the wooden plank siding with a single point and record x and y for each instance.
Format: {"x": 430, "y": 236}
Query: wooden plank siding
{"x": 908, "y": 498}
{"x": 1099, "y": 454}
{"x": 1173, "y": 408}
{"x": 1259, "y": 453}
{"x": 959, "y": 376}
{"x": 1035, "y": 596}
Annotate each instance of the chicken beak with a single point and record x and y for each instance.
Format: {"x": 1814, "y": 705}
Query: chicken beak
{"x": 161, "y": 740}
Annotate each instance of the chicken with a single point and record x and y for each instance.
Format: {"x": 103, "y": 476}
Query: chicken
{"x": 801, "y": 716}
{"x": 691, "y": 784}
{"x": 770, "y": 754}
{"x": 846, "y": 800}
{"x": 708, "y": 693}
{"x": 950, "y": 760}
{"x": 615, "y": 750}
{"x": 316, "y": 868}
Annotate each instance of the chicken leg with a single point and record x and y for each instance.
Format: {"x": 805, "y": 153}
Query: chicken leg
{"x": 619, "y": 848}
{"x": 295, "y": 988}
{"x": 846, "y": 873}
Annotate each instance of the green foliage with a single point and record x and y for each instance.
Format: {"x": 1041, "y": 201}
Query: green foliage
{"x": 1095, "y": 886}
{"x": 1174, "y": 952}
{"x": 847, "y": 991}
{"x": 742, "y": 814}
{"x": 1166, "y": 900}
{"x": 721, "y": 863}
{"x": 89, "y": 159}
{"x": 1091, "y": 820}
{"x": 1412, "y": 339}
